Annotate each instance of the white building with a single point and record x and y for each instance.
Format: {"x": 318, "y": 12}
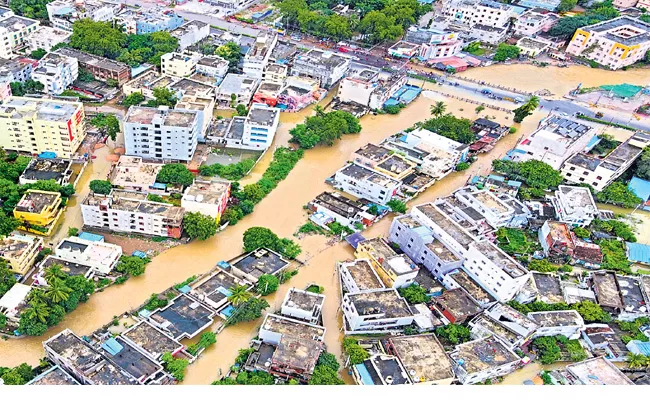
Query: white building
{"x": 368, "y": 87}
{"x": 275, "y": 73}
{"x": 479, "y": 12}
{"x": 433, "y": 44}
{"x": 131, "y": 212}
{"x": 376, "y": 311}
{"x": 504, "y": 322}
{"x": 483, "y": 359}
{"x": 303, "y": 305}
{"x": 260, "y": 126}
{"x": 241, "y": 86}
{"x": 531, "y": 22}
{"x": 358, "y": 276}
{"x": 365, "y": 183}
{"x": 574, "y": 205}
{"x": 190, "y": 33}
{"x": 14, "y": 32}
{"x": 46, "y": 37}
{"x": 63, "y": 13}
{"x": 180, "y": 65}
{"x": 532, "y": 46}
{"x": 257, "y": 58}
{"x": 325, "y": 66}
{"x": 600, "y": 172}
{"x": 56, "y": 72}
{"x": 206, "y": 197}
{"x": 497, "y": 210}
{"x": 12, "y": 303}
{"x": 99, "y": 257}
{"x": 552, "y": 323}
{"x": 213, "y": 66}
{"x": 161, "y": 133}
{"x": 597, "y": 371}
{"x": 555, "y": 140}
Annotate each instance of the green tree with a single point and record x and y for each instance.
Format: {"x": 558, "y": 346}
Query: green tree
{"x": 108, "y": 124}
{"x": 38, "y": 54}
{"x": 591, "y": 312}
{"x": 541, "y": 266}
{"x": 254, "y": 193}
{"x": 526, "y": 109}
{"x": 134, "y": 99}
{"x": 581, "y": 232}
{"x": 199, "y": 226}
{"x": 397, "y": 206}
{"x": 7, "y": 278}
{"x": 175, "y": 174}
{"x": 239, "y": 294}
{"x": 324, "y": 128}
{"x": 328, "y": 360}
{"x": 30, "y": 8}
{"x": 462, "y": 166}
{"x": 324, "y": 375}
{"x": 506, "y": 52}
{"x": 163, "y": 96}
{"x": 548, "y": 349}
{"x": 453, "y": 333}
{"x": 99, "y": 38}
{"x": 57, "y": 291}
{"x": 267, "y": 284}
{"x": 175, "y": 366}
{"x": 28, "y": 87}
{"x": 248, "y": 311}
{"x": 231, "y": 52}
{"x": 101, "y": 186}
{"x": 637, "y": 360}
{"x": 458, "y": 129}
{"x": 257, "y": 237}
{"x": 567, "y": 5}
{"x": 619, "y": 194}
{"x": 132, "y": 265}
{"x": 355, "y": 352}
{"x": 438, "y": 109}
{"x": 414, "y": 294}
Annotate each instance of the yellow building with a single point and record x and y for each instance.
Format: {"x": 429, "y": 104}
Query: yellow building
{"x": 35, "y": 125}
{"x": 395, "y": 270}
{"x": 20, "y": 251}
{"x": 39, "y": 211}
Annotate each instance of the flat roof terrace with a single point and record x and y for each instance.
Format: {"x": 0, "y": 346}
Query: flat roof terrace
{"x": 291, "y": 327}
{"x": 379, "y": 248}
{"x": 132, "y": 170}
{"x": 424, "y": 355}
{"x": 42, "y": 169}
{"x": 360, "y": 173}
{"x": 606, "y": 289}
{"x": 339, "y": 204}
{"x": 36, "y": 201}
{"x": 303, "y": 300}
{"x": 264, "y": 116}
{"x": 446, "y": 223}
{"x": 458, "y": 303}
{"x": 40, "y": 109}
{"x": 217, "y": 286}
{"x": 14, "y": 246}
{"x": 500, "y": 259}
{"x": 152, "y": 340}
{"x": 54, "y": 376}
{"x": 210, "y": 192}
{"x": 548, "y": 287}
{"x": 130, "y": 359}
{"x": 472, "y": 287}
{"x": 598, "y": 371}
{"x": 184, "y": 317}
{"x": 70, "y": 268}
{"x": 395, "y": 164}
{"x": 387, "y": 302}
{"x": 363, "y": 275}
{"x": 482, "y": 354}
{"x": 373, "y": 152}
{"x": 259, "y": 262}
{"x": 549, "y": 319}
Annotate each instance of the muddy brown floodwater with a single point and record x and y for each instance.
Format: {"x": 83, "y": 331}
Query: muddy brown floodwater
{"x": 281, "y": 211}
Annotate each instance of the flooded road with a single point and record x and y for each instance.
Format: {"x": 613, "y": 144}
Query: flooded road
{"x": 281, "y": 211}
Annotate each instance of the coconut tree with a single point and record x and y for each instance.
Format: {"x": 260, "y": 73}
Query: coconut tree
{"x": 637, "y": 360}
{"x": 57, "y": 291}
{"x": 55, "y": 272}
{"x": 239, "y": 294}
{"x": 36, "y": 310}
{"x": 438, "y": 109}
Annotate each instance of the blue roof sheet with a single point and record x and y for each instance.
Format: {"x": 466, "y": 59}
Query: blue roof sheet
{"x": 112, "y": 346}
{"x": 637, "y": 252}
{"x": 91, "y": 236}
{"x": 364, "y": 374}
{"x": 639, "y": 347}
{"x": 354, "y": 239}
{"x": 641, "y": 187}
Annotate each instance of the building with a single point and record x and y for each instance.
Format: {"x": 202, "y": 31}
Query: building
{"x": 179, "y": 64}
{"x": 553, "y": 323}
{"x": 20, "y": 251}
{"x": 17, "y": 70}
{"x": 498, "y": 210}
{"x": 183, "y": 317}
{"x": 365, "y": 183}
{"x": 46, "y": 37}
{"x": 38, "y": 211}
{"x": 252, "y": 265}
{"x": 615, "y": 43}
{"x": 460, "y": 279}
{"x": 574, "y": 205}
{"x": 14, "y": 32}
{"x": 479, "y": 12}
{"x": 207, "y": 197}
{"x": 548, "y": 287}
{"x": 456, "y": 306}
{"x": 131, "y": 212}
{"x": 504, "y": 322}
{"x": 394, "y": 270}
{"x": 63, "y": 13}
{"x": 434, "y": 45}
{"x": 600, "y": 172}
{"x": 214, "y": 289}
{"x": 423, "y": 357}
{"x": 260, "y": 126}
{"x": 554, "y": 141}
{"x": 275, "y": 73}
{"x": 241, "y": 86}
{"x": 532, "y": 22}
{"x": 549, "y": 5}
{"x": 44, "y": 169}
{"x": 161, "y": 133}
{"x": 404, "y": 49}
{"x": 533, "y": 47}
{"x": 212, "y": 66}
{"x": 604, "y": 341}
{"x": 482, "y": 359}
{"x": 133, "y": 360}
{"x": 342, "y": 210}
{"x": 489, "y": 34}
{"x": 14, "y": 301}
{"x": 149, "y": 20}
{"x": 133, "y": 174}
{"x": 151, "y": 339}
{"x": 359, "y": 276}
{"x": 56, "y": 72}
{"x": 258, "y": 55}
{"x": 232, "y": 6}
{"x": 53, "y": 376}
{"x": 556, "y": 239}
{"x": 146, "y": 82}
{"x": 380, "y": 369}
{"x": 103, "y": 69}
{"x": 376, "y": 311}
{"x": 26, "y": 119}
{"x": 100, "y": 257}
{"x": 597, "y": 371}
{"x": 303, "y": 305}
{"x": 190, "y": 33}
{"x": 326, "y": 67}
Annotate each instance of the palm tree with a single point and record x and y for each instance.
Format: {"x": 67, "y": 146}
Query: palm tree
{"x": 54, "y": 272}
{"x": 239, "y": 294}
{"x": 37, "y": 310}
{"x": 438, "y": 109}
{"x": 532, "y": 103}
{"x": 637, "y": 360}
{"x": 57, "y": 291}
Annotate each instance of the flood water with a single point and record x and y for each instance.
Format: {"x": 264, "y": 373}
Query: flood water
{"x": 282, "y": 211}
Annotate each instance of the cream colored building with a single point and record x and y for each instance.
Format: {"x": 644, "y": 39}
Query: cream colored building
{"x": 179, "y": 64}
{"x": 20, "y": 251}
{"x": 616, "y": 43}
{"x": 14, "y": 31}
{"x": 35, "y": 125}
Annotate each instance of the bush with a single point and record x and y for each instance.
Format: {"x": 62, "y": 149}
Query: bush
{"x": 414, "y": 294}
{"x": 155, "y": 302}
{"x": 267, "y": 284}
{"x": 175, "y": 366}
{"x": 541, "y": 266}
{"x": 324, "y": 128}
{"x": 356, "y": 353}
{"x": 260, "y": 237}
{"x": 453, "y": 333}
{"x": 72, "y": 231}
{"x": 397, "y": 206}
{"x": 619, "y": 194}
{"x": 199, "y": 226}
{"x": 101, "y": 186}
{"x": 175, "y": 174}
{"x": 462, "y": 166}
{"x": 248, "y": 311}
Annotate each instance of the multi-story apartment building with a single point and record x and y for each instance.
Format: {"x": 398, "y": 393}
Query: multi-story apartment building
{"x": 161, "y": 133}
{"x": 326, "y": 67}
{"x": 257, "y": 58}
{"x": 38, "y": 211}
{"x": 479, "y": 12}
{"x": 131, "y": 212}
{"x": 497, "y": 210}
{"x": 14, "y": 31}
{"x": 363, "y": 182}
{"x": 435, "y": 44}
{"x": 93, "y": 257}
{"x": 46, "y": 37}
{"x": 18, "y": 70}
{"x": 212, "y": 66}
{"x": 190, "y": 33}
{"x": 103, "y": 69}
{"x": 395, "y": 270}
{"x": 207, "y": 197}
{"x": 482, "y": 359}
{"x": 20, "y": 251}
{"x": 275, "y": 73}
{"x": 600, "y": 172}
{"x": 616, "y": 43}
{"x": 376, "y": 311}
{"x": 366, "y": 86}
{"x": 567, "y": 323}
{"x": 260, "y": 126}
{"x": 488, "y": 34}
{"x": 35, "y": 125}
{"x": 179, "y": 64}
{"x": 56, "y": 72}
{"x": 531, "y": 22}
{"x": 574, "y": 205}
{"x": 242, "y": 86}
{"x": 555, "y": 140}
{"x": 549, "y": 5}
{"x": 149, "y": 20}
{"x": 63, "y": 13}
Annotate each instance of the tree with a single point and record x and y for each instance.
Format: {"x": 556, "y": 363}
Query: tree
{"x": 591, "y": 312}
{"x": 526, "y": 109}
{"x": 96, "y": 37}
{"x": 37, "y": 54}
{"x": 57, "y": 291}
{"x": 567, "y": 5}
{"x": 254, "y": 193}
{"x": 458, "y": 129}
{"x": 257, "y": 237}
{"x": 328, "y": 360}
{"x": 635, "y": 360}
{"x": 108, "y": 124}
{"x": 30, "y": 8}
{"x": 462, "y": 166}
{"x": 241, "y": 110}
{"x": 324, "y": 128}
{"x": 506, "y": 52}
{"x": 547, "y": 349}
{"x": 267, "y": 284}
{"x": 619, "y": 194}
{"x": 101, "y": 186}
{"x": 7, "y": 278}
{"x": 541, "y": 266}
{"x": 534, "y": 173}
{"x": 397, "y": 206}
{"x": 133, "y": 99}
{"x": 199, "y": 226}
{"x": 479, "y": 109}
{"x": 239, "y": 294}
{"x": 248, "y": 311}
{"x": 324, "y": 375}
{"x": 453, "y": 333}
{"x": 163, "y": 96}
{"x": 175, "y": 174}
{"x": 132, "y": 265}
{"x": 414, "y": 294}
{"x": 175, "y": 366}
{"x": 231, "y": 52}
{"x": 28, "y": 87}
{"x": 438, "y": 109}
{"x": 355, "y": 352}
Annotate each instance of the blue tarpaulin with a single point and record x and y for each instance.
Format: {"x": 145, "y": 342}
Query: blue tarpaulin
{"x": 637, "y": 252}
{"x": 227, "y": 312}
{"x": 47, "y": 154}
{"x": 112, "y": 346}
{"x": 354, "y": 239}
{"x": 140, "y": 254}
{"x": 91, "y": 236}
{"x": 224, "y": 291}
{"x": 639, "y": 347}
{"x": 185, "y": 289}
{"x": 366, "y": 379}
{"x": 223, "y": 265}
{"x": 641, "y": 187}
